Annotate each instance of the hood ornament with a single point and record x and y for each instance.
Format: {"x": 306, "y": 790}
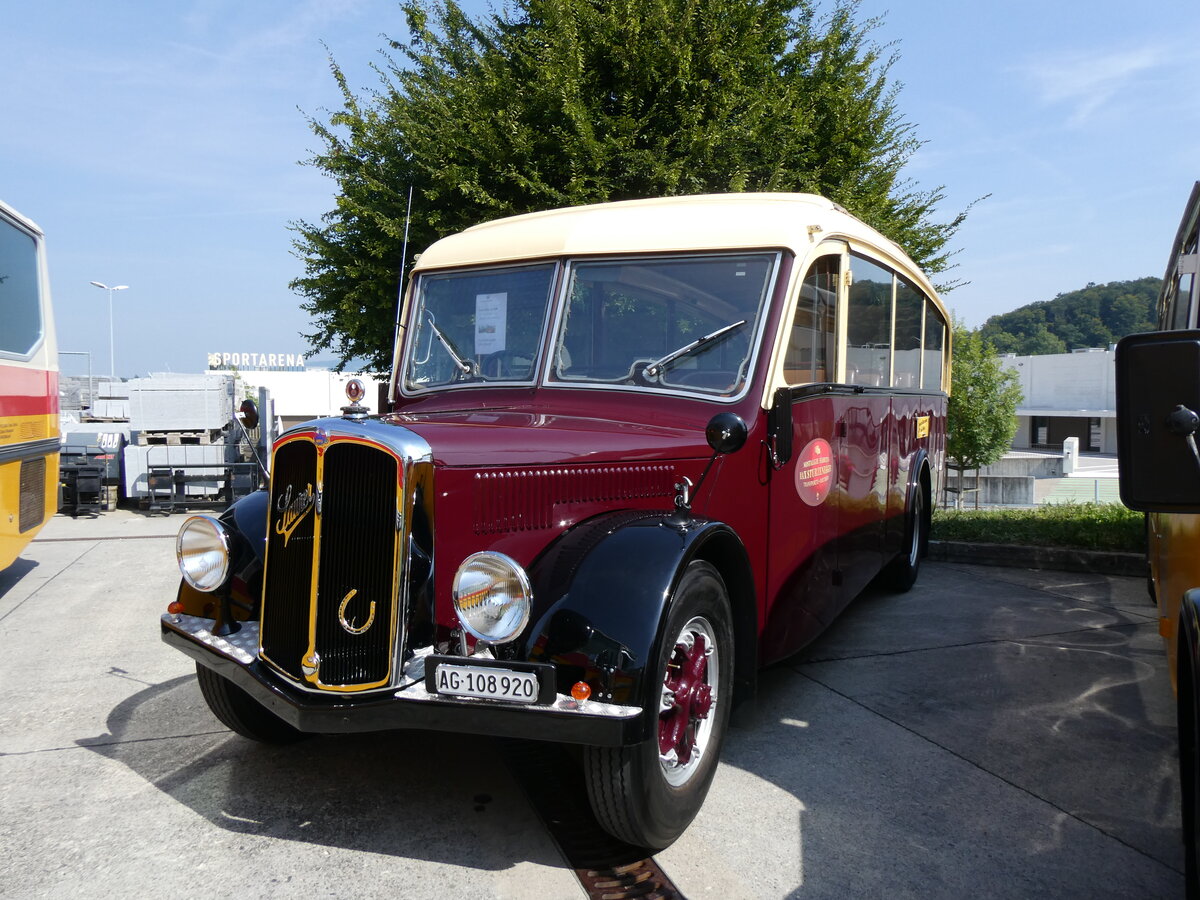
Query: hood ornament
{"x": 354, "y": 393}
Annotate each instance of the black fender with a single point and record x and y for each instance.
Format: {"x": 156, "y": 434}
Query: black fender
{"x": 247, "y": 518}
{"x": 238, "y": 598}
{"x": 602, "y": 593}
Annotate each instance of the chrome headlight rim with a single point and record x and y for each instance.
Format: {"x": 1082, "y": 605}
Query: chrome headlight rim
{"x": 209, "y": 569}
{"x": 514, "y": 614}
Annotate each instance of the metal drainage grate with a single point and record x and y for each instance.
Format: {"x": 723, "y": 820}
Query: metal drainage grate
{"x": 607, "y": 868}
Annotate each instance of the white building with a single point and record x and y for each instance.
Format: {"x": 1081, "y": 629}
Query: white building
{"x": 1067, "y": 395}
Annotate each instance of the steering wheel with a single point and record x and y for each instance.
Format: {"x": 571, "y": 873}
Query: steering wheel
{"x": 502, "y": 363}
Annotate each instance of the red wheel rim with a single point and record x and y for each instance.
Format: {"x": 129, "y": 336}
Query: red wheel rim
{"x": 688, "y": 699}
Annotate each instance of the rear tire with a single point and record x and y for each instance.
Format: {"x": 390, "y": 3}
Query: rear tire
{"x": 240, "y": 712}
{"x": 647, "y": 794}
{"x": 1189, "y": 762}
{"x": 901, "y": 573}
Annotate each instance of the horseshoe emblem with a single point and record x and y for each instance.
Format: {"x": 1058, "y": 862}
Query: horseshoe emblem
{"x": 349, "y": 626}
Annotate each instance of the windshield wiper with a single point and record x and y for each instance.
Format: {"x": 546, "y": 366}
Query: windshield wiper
{"x": 445, "y": 342}
{"x": 658, "y": 365}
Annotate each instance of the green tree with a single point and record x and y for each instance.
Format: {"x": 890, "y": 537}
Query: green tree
{"x": 981, "y": 418}
{"x": 553, "y": 103}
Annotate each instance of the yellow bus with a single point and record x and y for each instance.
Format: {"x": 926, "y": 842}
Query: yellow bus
{"x": 1158, "y": 415}
{"x": 29, "y": 429}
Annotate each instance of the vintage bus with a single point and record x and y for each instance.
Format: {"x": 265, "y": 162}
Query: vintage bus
{"x": 1158, "y": 402}
{"x": 29, "y": 429}
{"x": 637, "y": 451}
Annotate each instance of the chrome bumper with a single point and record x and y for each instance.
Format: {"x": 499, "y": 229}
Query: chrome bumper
{"x": 407, "y": 705}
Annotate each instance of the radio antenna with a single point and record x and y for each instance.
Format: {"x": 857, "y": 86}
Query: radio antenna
{"x": 403, "y": 259}
{"x": 399, "y": 303}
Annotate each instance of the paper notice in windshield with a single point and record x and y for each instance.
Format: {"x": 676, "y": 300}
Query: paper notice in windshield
{"x": 491, "y": 319}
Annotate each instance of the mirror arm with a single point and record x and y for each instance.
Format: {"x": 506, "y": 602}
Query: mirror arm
{"x": 1184, "y": 422}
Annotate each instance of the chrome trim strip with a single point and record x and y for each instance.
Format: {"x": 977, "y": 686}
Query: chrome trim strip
{"x": 402, "y": 441}
{"x": 30, "y": 450}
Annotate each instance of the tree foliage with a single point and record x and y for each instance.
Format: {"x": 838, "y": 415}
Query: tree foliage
{"x": 1096, "y": 316}
{"x": 553, "y": 103}
{"x": 981, "y": 418}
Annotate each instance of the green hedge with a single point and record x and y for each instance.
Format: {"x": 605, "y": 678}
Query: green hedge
{"x": 1085, "y": 526}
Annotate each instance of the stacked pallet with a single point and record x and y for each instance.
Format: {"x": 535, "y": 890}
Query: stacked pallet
{"x": 178, "y": 423}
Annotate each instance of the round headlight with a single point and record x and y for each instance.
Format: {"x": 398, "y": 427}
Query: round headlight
{"x": 203, "y": 552}
{"x": 492, "y": 597}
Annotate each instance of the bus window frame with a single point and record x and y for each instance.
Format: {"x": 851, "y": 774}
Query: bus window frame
{"x": 845, "y": 250}
{"x": 23, "y": 226}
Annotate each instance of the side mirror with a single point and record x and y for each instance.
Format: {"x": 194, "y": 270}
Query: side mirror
{"x": 249, "y": 411}
{"x": 726, "y": 432}
{"x": 1158, "y": 396}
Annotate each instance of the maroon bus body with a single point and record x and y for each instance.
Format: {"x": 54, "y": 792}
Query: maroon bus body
{"x": 809, "y": 561}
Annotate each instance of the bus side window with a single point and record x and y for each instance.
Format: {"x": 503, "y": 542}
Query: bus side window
{"x": 1179, "y": 293}
{"x": 20, "y": 295}
{"x": 1181, "y": 312}
{"x": 935, "y": 341}
{"x": 910, "y": 310}
{"x": 813, "y": 339}
{"x": 869, "y": 325}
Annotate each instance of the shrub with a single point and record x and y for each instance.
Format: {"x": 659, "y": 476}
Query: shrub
{"x": 1084, "y": 526}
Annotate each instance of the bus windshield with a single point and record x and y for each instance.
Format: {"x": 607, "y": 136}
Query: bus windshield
{"x": 677, "y": 323}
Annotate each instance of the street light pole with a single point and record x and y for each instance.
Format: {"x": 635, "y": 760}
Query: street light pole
{"x": 112, "y": 364}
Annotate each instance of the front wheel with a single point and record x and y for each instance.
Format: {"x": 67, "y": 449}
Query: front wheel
{"x": 240, "y": 712}
{"x": 647, "y": 794}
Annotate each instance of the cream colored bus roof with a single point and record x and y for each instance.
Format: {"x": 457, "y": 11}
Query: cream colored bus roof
{"x": 670, "y": 224}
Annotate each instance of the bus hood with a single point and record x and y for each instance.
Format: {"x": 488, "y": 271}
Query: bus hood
{"x": 485, "y": 438}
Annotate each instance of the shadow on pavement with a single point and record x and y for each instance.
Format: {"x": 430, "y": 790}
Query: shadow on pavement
{"x": 10, "y": 576}
{"x": 421, "y": 795}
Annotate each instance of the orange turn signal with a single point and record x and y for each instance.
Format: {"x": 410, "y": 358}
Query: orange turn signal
{"x": 580, "y": 691}
{"x": 175, "y": 608}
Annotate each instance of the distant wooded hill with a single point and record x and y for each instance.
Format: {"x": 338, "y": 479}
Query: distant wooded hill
{"x": 1096, "y": 316}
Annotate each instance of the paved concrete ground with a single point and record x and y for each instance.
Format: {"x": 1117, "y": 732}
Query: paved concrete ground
{"x": 994, "y": 732}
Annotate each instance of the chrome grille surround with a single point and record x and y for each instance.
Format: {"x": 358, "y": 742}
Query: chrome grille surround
{"x": 334, "y": 608}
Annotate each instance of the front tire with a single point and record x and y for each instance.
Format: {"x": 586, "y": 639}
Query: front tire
{"x": 649, "y": 793}
{"x": 240, "y": 712}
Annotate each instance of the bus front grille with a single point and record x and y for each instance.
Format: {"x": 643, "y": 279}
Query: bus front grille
{"x": 32, "y": 511}
{"x": 329, "y": 615}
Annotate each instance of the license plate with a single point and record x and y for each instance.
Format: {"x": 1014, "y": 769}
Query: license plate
{"x": 489, "y": 683}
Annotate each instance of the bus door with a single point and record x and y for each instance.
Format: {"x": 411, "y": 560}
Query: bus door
{"x": 803, "y": 565}
{"x": 866, "y": 472}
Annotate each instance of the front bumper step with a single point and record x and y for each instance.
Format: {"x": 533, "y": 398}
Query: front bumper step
{"x": 406, "y": 705}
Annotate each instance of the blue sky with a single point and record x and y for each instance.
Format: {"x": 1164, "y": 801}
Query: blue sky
{"x": 158, "y": 145}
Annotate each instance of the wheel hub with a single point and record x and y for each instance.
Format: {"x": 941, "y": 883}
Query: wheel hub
{"x": 687, "y": 700}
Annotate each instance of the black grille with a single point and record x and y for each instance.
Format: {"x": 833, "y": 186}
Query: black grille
{"x": 287, "y": 586}
{"x": 33, "y": 494}
{"x": 355, "y": 526}
{"x": 357, "y": 572}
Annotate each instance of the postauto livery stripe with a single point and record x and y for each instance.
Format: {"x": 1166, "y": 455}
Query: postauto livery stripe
{"x": 28, "y": 392}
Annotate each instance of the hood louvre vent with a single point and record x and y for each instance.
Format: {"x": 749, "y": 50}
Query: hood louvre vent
{"x": 509, "y": 500}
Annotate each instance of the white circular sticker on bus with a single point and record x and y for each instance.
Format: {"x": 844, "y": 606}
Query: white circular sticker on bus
{"x": 814, "y": 472}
